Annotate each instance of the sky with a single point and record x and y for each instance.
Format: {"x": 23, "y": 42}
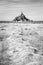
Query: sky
{"x": 9, "y": 9}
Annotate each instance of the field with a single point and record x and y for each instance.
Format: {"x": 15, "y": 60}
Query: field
{"x": 21, "y": 44}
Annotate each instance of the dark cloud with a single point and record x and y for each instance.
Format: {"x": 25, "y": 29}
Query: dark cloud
{"x": 33, "y": 1}
{"x": 36, "y": 1}
{"x": 23, "y": 1}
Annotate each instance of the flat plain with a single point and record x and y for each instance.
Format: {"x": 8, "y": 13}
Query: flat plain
{"x": 21, "y": 44}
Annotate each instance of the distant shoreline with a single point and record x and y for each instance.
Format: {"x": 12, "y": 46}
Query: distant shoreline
{"x": 34, "y": 22}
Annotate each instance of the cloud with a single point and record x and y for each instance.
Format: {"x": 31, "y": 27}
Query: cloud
{"x": 23, "y": 1}
{"x": 32, "y": 1}
{"x": 36, "y": 1}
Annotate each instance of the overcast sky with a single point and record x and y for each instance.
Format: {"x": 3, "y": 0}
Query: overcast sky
{"x": 9, "y": 9}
